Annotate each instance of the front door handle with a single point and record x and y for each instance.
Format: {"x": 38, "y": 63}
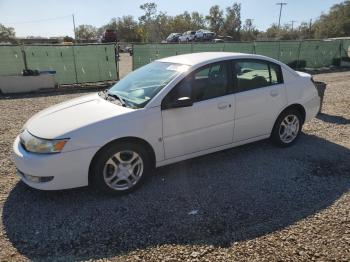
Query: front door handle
{"x": 223, "y": 105}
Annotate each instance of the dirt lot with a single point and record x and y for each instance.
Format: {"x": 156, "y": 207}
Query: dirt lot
{"x": 252, "y": 203}
{"x": 125, "y": 64}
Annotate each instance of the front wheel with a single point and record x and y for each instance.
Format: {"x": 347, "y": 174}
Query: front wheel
{"x": 287, "y": 128}
{"x": 120, "y": 168}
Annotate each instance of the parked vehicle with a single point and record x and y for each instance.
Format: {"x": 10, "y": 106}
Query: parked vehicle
{"x": 130, "y": 50}
{"x": 226, "y": 38}
{"x": 110, "y": 35}
{"x": 204, "y": 35}
{"x": 188, "y": 36}
{"x": 173, "y": 38}
{"x": 218, "y": 40}
{"x": 170, "y": 110}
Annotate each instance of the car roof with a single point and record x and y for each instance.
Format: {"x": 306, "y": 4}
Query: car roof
{"x": 200, "y": 59}
{"x": 207, "y": 57}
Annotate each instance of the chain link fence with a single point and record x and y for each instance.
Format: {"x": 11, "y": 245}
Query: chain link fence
{"x": 73, "y": 63}
{"x": 297, "y": 54}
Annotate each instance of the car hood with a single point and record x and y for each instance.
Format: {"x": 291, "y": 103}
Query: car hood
{"x": 60, "y": 119}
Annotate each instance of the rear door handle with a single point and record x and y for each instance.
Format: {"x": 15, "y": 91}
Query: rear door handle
{"x": 223, "y": 105}
{"x": 274, "y": 93}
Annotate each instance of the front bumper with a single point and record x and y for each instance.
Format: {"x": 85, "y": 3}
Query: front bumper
{"x": 68, "y": 169}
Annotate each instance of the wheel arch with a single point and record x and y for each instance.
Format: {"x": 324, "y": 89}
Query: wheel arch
{"x": 129, "y": 139}
{"x": 300, "y": 108}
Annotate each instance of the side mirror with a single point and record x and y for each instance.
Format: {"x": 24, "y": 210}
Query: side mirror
{"x": 180, "y": 102}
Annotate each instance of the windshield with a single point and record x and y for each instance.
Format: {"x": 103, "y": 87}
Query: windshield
{"x": 171, "y": 36}
{"x": 141, "y": 85}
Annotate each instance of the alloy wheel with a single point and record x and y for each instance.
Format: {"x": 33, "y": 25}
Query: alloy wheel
{"x": 289, "y": 128}
{"x": 123, "y": 170}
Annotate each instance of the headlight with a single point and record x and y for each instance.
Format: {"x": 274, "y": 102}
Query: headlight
{"x": 39, "y": 145}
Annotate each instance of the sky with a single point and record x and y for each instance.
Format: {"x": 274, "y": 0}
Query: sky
{"x": 50, "y": 18}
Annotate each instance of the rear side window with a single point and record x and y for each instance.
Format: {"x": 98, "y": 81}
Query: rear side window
{"x": 252, "y": 74}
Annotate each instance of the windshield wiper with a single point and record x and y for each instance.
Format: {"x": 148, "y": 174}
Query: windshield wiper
{"x": 106, "y": 95}
{"x": 117, "y": 97}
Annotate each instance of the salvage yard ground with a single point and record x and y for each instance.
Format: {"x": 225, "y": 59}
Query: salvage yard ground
{"x": 251, "y": 203}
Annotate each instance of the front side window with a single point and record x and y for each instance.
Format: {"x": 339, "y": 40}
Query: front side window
{"x": 210, "y": 82}
{"x": 141, "y": 85}
{"x": 203, "y": 84}
{"x": 251, "y": 74}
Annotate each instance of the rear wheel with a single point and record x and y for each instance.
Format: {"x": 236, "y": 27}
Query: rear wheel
{"x": 287, "y": 128}
{"x": 120, "y": 168}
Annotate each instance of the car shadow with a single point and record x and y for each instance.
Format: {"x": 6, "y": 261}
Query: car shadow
{"x": 340, "y": 120}
{"x": 217, "y": 199}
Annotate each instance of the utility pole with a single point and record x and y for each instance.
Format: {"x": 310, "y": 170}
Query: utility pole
{"x": 279, "y": 19}
{"x": 73, "y": 51}
{"x": 293, "y": 21}
{"x": 75, "y": 33}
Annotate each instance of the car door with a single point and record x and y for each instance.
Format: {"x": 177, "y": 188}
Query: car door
{"x": 259, "y": 97}
{"x": 205, "y": 124}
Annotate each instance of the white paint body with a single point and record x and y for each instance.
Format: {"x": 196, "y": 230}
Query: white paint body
{"x": 174, "y": 134}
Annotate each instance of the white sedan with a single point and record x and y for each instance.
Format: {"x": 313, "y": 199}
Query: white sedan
{"x": 170, "y": 110}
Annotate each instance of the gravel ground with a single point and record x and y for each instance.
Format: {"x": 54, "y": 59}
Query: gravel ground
{"x": 125, "y": 64}
{"x": 251, "y": 203}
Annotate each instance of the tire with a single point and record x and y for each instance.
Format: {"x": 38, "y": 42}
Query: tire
{"x": 287, "y": 128}
{"x": 120, "y": 168}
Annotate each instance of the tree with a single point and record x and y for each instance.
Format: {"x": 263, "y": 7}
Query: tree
{"x": 86, "y": 32}
{"x": 286, "y": 32}
{"x": 148, "y": 22}
{"x": 248, "y": 25}
{"x": 334, "y": 24}
{"x": 198, "y": 21}
{"x": 150, "y": 10}
{"x": 249, "y": 32}
{"x": 162, "y": 25}
{"x": 112, "y": 24}
{"x": 272, "y": 31}
{"x": 180, "y": 23}
{"x": 232, "y": 23}
{"x": 127, "y": 29}
{"x": 215, "y": 19}
{"x": 304, "y": 31}
{"x": 6, "y": 33}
